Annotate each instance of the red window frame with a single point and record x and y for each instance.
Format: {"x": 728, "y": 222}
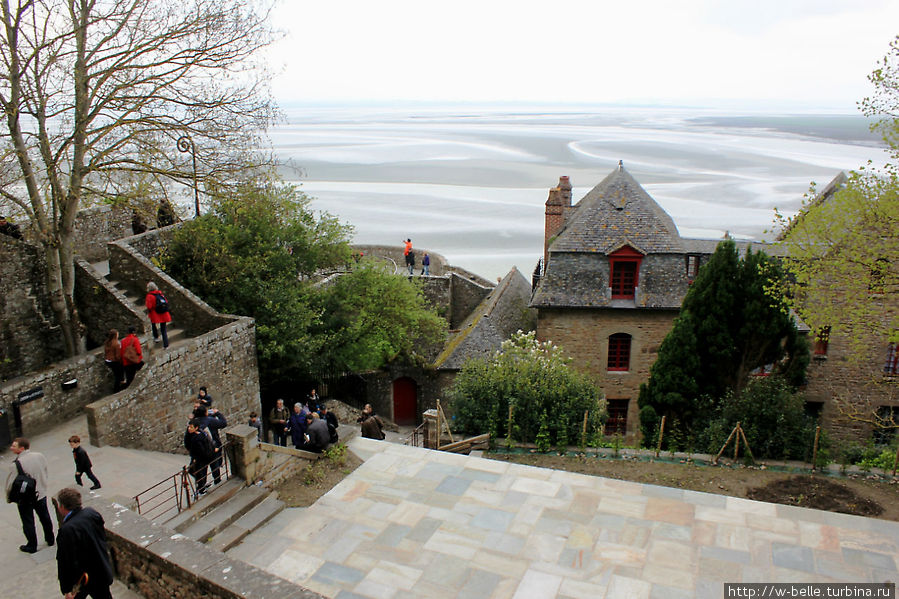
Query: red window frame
{"x": 619, "y": 352}
{"x": 617, "y": 422}
{"x": 624, "y": 272}
{"x": 891, "y": 366}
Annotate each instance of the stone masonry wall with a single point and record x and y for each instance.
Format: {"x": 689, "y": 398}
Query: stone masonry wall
{"x": 132, "y": 269}
{"x": 153, "y": 412}
{"x": 97, "y": 226}
{"x": 431, "y": 385}
{"x": 156, "y": 563}
{"x": 584, "y": 335}
{"x": 28, "y": 338}
{"x": 466, "y": 295}
{"x": 102, "y": 306}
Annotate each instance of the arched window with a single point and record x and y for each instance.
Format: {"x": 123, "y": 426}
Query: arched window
{"x": 619, "y": 351}
{"x": 624, "y": 272}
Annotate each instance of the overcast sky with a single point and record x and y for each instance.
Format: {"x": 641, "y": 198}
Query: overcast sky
{"x": 792, "y": 54}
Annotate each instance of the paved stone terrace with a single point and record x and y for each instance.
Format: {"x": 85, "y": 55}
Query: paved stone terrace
{"x": 416, "y": 523}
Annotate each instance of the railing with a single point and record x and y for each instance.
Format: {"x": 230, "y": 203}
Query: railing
{"x": 176, "y": 493}
{"x": 417, "y": 438}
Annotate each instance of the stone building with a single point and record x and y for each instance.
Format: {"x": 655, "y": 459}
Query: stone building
{"x": 614, "y": 274}
{"x": 846, "y": 387}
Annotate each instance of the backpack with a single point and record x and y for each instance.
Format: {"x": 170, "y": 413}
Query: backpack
{"x": 24, "y": 487}
{"x": 162, "y": 304}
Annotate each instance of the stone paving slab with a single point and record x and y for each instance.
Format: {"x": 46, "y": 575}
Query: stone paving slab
{"x": 420, "y": 523}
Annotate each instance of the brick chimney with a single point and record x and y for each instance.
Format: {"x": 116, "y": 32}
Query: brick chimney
{"x": 557, "y": 206}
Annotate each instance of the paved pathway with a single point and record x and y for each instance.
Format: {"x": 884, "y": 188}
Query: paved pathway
{"x": 122, "y": 472}
{"x": 416, "y": 523}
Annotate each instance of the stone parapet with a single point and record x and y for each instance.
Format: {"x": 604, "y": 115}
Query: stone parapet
{"x": 102, "y": 306}
{"x": 153, "y": 412}
{"x": 159, "y": 564}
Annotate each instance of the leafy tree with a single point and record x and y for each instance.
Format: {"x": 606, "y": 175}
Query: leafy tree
{"x": 95, "y": 93}
{"x": 731, "y": 323}
{"x": 261, "y": 252}
{"x": 371, "y": 317}
{"x": 251, "y": 255}
{"x": 531, "y": 378}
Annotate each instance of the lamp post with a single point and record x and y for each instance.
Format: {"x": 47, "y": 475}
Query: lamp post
{"x": 186, "y": 144}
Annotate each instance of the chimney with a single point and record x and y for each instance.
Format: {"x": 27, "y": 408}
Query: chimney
{"x": 557, "y": 206}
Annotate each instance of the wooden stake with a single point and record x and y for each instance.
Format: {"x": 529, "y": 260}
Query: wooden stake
{"x": 445, "y": 422}
{"x": 661, "y": 435}
{"x": 584, "y": 430}
{"x": 737, "y": 441}
{"x": 895, "y": 461}
{"x": 746, "y": 443}
{"x": 815, "y": 449}
{"x": 726, "y": 443}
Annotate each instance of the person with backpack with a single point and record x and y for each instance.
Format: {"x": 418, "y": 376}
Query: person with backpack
{"x": 202, "y": 451}
{"x": 29, "y": 495}
{"x": 158, "y": 310}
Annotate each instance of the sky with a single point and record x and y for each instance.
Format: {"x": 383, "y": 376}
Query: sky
{"x": 799, "y": 55}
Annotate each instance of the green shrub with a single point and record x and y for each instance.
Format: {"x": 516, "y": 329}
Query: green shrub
{"x": 531, "y": 378}
{"x": 772, "y": 418}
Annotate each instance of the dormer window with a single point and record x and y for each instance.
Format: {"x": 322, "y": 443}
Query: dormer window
{"x": 692, "y": 263}
{"x": 624, "y": 269}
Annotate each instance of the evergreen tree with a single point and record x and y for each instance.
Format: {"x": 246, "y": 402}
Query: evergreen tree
{"x": 733, "y": 320}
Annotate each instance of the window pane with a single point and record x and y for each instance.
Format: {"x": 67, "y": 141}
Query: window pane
{"x": 617, "y": 422}
{"x": 624, "y": 279}
{"x": 619, "y": 351}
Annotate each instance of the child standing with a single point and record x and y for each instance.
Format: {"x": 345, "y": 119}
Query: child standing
{"x": 82, "y": 462}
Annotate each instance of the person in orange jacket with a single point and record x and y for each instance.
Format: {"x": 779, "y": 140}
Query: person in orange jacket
{"x": 158, "y": 310}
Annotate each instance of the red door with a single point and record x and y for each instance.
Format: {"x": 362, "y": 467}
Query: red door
{"x": 405, "y": 401}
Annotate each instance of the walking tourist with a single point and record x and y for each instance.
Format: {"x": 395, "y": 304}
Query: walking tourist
{"x": 112, "y": 355}
{"x": 158, "y": 310}
{"x": 202, "y": 452}
{"x": 132, "y": 355}
{"x": 82, "y": 558}
{"x": 83, "y": 463}
{"x": 34, "y": 465}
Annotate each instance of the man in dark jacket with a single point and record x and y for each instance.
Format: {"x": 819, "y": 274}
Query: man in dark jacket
{"x": 317, "y": 434}
{"x": 201, "y": 450}
{"x": 277, "y": 421}
{"x": 212, "y": 421}
{"x": 82, "y": 549}
{"x": 331, "y": 420}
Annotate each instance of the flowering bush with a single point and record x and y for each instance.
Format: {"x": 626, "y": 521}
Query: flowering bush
{"x": 528, "y": 377}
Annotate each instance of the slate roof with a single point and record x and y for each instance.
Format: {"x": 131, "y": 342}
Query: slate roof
{"x": 616, "y": 212}
{"x": 501, "y": 314}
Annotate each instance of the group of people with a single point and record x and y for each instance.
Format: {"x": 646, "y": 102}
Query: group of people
{"x": 203, "y": 442}
{"x": 125, "y": 357}
{"x": 409, "y": 255}
{"x": 83, "y": 563}
{"x": 311, "y": 425}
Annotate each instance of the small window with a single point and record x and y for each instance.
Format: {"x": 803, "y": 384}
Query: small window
{"x": 887, "y": 422}
{"x": 624, "y": 272}
{"x": 891, "y": 366}
{"x": 619, "y": 351}
{"x": 617, "y": 422}
{"x": 822, "y": 339}
{"x": 692, "y": 266}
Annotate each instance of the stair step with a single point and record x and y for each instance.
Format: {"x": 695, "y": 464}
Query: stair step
{"x": 207, "y": 503}
{"x": 225, "y": 514}
{"x": 232, "y": 535}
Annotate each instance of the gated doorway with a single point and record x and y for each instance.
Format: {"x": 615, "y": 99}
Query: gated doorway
{"x": 405, "y": 401}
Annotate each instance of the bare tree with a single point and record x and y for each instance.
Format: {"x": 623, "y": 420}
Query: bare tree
{"x": 95, "y": 94}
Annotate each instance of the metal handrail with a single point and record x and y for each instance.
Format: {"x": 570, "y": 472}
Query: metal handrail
{"x": 416, "y": 439}
{"x": 175, "y": 492}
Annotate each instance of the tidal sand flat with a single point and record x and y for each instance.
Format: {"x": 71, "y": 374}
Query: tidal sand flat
{"x": 470, "y": 182}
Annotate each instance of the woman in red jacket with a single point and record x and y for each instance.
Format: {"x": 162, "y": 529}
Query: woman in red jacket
{"x": 132, "y": 356}
{"x": 158, "y": 309}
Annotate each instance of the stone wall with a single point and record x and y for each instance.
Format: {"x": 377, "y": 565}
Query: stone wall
{"x": 465, "y": 296}
{"x": 156, "y": 563}
{"x": 153, "y": 412}
{"x": 584, "y": 335}
{"x": 102, "y": 306}
{"x": 97, "y": 226}
{"x": 29, "y": 339}
{"x": 131, "y": 268}
{"x": 431, "y": 385}
{"x": 844, "y": 383}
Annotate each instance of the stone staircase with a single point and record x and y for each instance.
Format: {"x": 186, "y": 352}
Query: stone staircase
{"x": 227, "y": 514}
